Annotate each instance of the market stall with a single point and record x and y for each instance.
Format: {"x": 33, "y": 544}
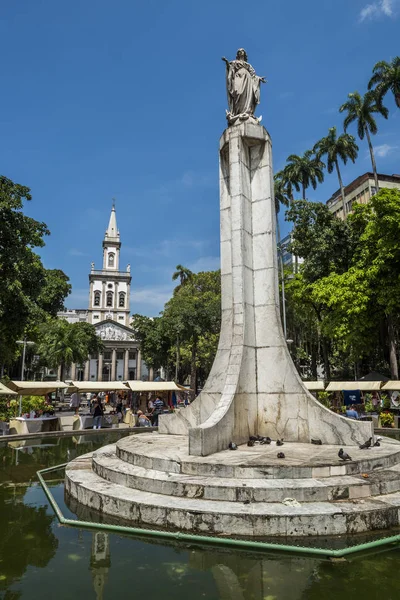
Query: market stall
{"x": 167, "y": 390}
{"x": 85, "y": 420}
{"x": 33, "y": 422}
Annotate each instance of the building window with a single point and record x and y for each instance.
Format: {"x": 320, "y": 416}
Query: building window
{"x": 107, "y": 355}
{"x": 132, "y": 355}
{"x": 97, "y": 297}
{"x": 109, "y": 298}
{"x": 95, "y": 316}
{"x": 111, "y": 258}
{"x": 121, "y": 318}
{"x": 121, "y": 299}
{"x": 120, "y": 356}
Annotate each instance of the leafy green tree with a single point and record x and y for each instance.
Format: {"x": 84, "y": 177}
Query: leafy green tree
{"x": 155, "y": 341}
{"x": 54, "y": 291}
{"x": 195, "y": 309}
{"x": 334, "y": 148}
{"x": 386, "y": 78}
{"x": 283, "y": 190}
{"x": 361, "y": 110}
{"x": 366, "y": 296}
{"x": 62, "y": 343}
{"x": 21, "y": 271}
{"x": 303, "y": 171}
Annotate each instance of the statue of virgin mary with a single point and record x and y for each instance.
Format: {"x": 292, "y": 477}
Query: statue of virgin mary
{"x": 243, "y": 87}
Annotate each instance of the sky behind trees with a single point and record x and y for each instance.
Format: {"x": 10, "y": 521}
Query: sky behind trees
{"x": 127, "y": 99}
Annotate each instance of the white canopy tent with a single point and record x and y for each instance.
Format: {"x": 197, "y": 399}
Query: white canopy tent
{"x": 4, "y": 390}
{"x": 391, "y": 386}
{"x": 314, "y": 386}
{"x": 96, "y": 386}
{"x": 363, "y": 386}
{"x": 155, "y": 386}
{"x": 36, "y": 388}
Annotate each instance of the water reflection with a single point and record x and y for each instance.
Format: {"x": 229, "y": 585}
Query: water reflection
{"x": 26, "y": 536}
{"x": 100, "y": 561}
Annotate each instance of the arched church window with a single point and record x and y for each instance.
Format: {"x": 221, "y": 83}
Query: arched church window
{"x": 97, "y": 298}
{"x": 109, "y": 298}
{"x": 122, "y": 299}
{"x": 111, "y": 258}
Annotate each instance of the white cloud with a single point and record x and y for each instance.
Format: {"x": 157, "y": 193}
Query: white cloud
{"x": 205, "y": 263}
{"x": 151, "y": 297}
{"x": 76, "y": 252}
{"x": 381, "y": 8}
{"x": 384, "y": 150}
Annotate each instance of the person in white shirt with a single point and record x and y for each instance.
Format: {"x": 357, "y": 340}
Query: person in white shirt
{"x": 75, "y": 402}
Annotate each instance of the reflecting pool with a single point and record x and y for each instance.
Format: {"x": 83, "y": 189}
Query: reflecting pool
{"x": 39, "y": 559}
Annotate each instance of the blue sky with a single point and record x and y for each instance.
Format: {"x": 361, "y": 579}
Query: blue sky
{"x": 126, "y": 99}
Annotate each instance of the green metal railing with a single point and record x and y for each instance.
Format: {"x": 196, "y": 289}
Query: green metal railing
{"x": 210, "y": 540}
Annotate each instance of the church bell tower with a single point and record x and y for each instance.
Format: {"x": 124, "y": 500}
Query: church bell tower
{"x": 109, "y": 294}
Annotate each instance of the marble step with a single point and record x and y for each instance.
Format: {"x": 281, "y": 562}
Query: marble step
{"x": 107, "y": 465}
{"x": 214, "y": 517}
{"x": 170, "y": 454}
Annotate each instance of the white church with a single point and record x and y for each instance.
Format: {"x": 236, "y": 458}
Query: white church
{"x": 109, "y": 312}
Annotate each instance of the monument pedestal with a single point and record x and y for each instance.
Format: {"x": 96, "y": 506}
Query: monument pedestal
{"x": 253, "y": 387}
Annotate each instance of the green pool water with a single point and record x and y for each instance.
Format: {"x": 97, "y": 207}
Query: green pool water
{"x": 39, "y": 559}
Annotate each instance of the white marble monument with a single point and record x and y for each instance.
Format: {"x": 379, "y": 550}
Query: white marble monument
{"x": 253, "y": 387}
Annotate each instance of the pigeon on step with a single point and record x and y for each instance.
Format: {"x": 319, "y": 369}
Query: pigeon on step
{"x": 265, "y": 440}
{"x": 377, "y": 442}
{"x": 232, "y": 446}
{"x": 250, "y": 443}
{"x": 366, "y": 444}
{"x": 343, "y": 455}
{"x": 279, "y": 442}
{"x": 253, "y": 438}
{"x": 316, "y": 442}
{"x": 280, "y": 455}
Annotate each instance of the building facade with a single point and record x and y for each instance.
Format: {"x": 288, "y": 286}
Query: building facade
{"x": 360, "y": 191}
{"x": 109, "y": 313}
{"x": 290, "y": 261}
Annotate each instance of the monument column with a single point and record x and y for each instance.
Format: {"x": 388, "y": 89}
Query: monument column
{"x": 138, "y": 364}
{"x": 73, "y": 371}
{"x": 100, "y": 368}
{"x": 113, "y": 363}
{"x": 86, "y": 373}
{"x": 126, "y": 364}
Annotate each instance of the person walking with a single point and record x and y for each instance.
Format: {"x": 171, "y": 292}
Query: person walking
{"x": 97, "y": 414}
{"x": 75, "y": 402}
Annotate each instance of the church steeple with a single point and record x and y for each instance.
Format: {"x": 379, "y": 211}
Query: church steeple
{"x": 112, "y": 233}
{"x": 111, "y": 243}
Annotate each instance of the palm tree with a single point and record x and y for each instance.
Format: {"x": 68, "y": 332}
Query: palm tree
{"x": 304, "y": 171}
{"x": 343, "y": 147}
{"x": 283, "y": 190}
{"x": 361, "y": 110}
{"x": 182, "y": 273}
{"x": 386, "y": 77}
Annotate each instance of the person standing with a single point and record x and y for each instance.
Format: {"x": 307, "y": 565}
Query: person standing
{"x": 76, "y": 402}
{"x": 97, "y": 415}
{"x": 157, "y": 410}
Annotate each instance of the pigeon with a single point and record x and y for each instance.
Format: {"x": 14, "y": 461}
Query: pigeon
{"x": 343, "y": 455}
{"x": 366, "y": 444}
{"x": 253, "y": 438}
{"x": 316, "y": 442}
{"x": 280, "y": 455}
{"x": 265, "y": 440}
{"x": 232, "y": 446}
{"x": 279, "y": 442}
{"x": 377, "y": 442}
{"x": 251, "y": 442}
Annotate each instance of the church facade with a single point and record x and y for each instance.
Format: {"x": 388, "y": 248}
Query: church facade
{"x": 109, "y": 313}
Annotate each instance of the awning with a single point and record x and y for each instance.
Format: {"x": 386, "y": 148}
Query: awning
{"x": 36, "y": 388}
{"x": 5, "y": 390}
{"x": 363, "y": 386}
{"x": 96, "y": 386}
{"x": 391, "y": 385}
{"x": 314, "y": 386}
{"x": 155, "y": 386}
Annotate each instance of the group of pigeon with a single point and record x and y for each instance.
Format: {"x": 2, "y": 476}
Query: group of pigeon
{"x": 258, "y": 439}
{"x": 365, "y": 446}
